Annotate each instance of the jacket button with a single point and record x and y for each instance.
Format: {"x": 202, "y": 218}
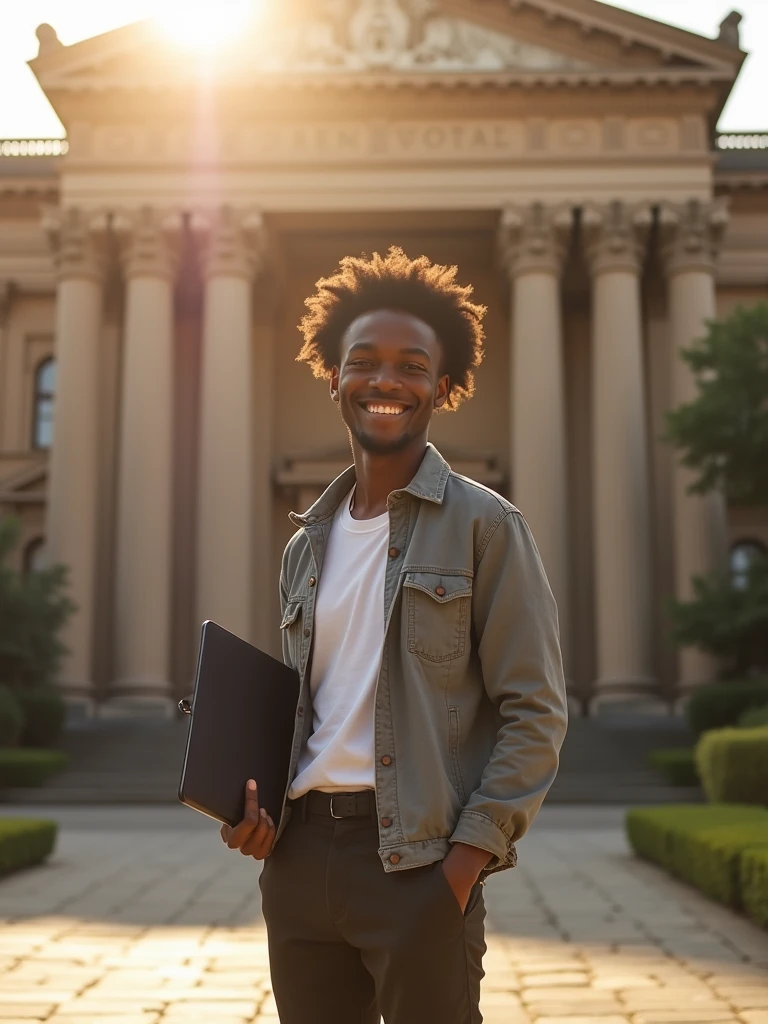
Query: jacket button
{"x": 386, "y": 760}
{"x": 440, "y": 591}
{"x": 386, "y": 822}
{"x": 306, "y": 632}
{"x": 312, "y": 581}
{"x": 394, "y": 552}
{"x": 394, "y": 858}
{"x": 300, "y": 710}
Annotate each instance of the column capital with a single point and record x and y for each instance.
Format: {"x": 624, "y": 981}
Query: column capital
{"x": 615, "y": 235}
{"x": 78, "y": 241}
{"x": 233, "y": 242}
{"x": 691, "y": 234}
{"x": 534, "y": 237}
{"x": 149, "y": 242}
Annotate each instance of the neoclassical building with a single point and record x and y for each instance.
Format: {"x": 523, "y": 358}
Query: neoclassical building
{"x": 155, "y": 429}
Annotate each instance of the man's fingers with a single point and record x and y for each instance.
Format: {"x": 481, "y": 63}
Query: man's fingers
{"x": 259, "y": 845}
{"x": 251, "y": 799}
{"x": 256, "y": 839}
{"x": 225, "y": 831}
{"x": 243, "y": 831}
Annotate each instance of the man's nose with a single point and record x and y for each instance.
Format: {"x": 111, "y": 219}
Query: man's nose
{"x": 385, "y": 380}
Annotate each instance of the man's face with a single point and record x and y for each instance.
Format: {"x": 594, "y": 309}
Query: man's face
{"x": 389, "y": 382}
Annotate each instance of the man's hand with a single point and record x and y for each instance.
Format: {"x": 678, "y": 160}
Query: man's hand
{"x": 255, "y": 835}
{"x": 462, "y": 867}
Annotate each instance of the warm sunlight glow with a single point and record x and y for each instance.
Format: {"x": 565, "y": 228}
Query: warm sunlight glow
{"x": 205, "y": 25}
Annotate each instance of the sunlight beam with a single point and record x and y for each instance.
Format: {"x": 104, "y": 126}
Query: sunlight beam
{"x": 204, "y": 25}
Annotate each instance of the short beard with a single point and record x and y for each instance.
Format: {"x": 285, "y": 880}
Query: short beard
{"x": 376, "y": 447}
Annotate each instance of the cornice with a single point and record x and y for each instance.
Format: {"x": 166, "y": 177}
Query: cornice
{"x": 390, "y": 81}
{"x": 606, "y": 19}
{"x": 730, "y": 181}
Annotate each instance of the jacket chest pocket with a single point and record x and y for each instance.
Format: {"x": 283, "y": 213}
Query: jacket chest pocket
{"x": 290, "y": 630}
{"x": 438, "y": 610}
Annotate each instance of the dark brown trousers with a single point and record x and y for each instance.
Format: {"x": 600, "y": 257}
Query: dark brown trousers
{"x": 349, "y": 942}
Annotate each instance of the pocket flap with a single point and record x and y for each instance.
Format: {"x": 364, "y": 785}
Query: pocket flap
{"x": 441, "y": 587}
{"x": 292, "y": 610}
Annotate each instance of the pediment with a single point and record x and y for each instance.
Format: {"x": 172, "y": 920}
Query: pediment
{"x": 305, "y": 41}
{"x": 414, "y": 36}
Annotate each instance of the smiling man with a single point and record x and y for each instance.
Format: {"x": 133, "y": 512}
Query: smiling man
{"x": 418, "y": 614}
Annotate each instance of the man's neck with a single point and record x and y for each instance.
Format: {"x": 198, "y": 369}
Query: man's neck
{"x": 378, "y": 475}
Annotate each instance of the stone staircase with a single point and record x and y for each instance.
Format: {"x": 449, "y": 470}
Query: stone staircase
{"x": 138, "y": 761}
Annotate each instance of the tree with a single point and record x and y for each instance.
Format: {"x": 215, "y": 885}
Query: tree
{"x": 722, "y": 435}
{"x": 728, "y": 622}
{"x": 33, "y": 610}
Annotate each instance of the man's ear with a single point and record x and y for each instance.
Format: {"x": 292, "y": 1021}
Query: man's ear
{"x": 334, "y": 384}
{"x": 441, "y": 392}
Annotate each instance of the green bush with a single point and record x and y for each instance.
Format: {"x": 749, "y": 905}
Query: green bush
{"x": 34, "y": 608}
{"x": 44, "y": 715}
{"x": 720, "y": 704}
{"x": 733, "y": 765}
{"x": 754, "y": 718}
{"x": 27, "y": 767}
{"x": 25, "y": 841}
{"x": 702, "y": 845}
{"x": 11, "y": 718}
{"x": 754, "y": 884}
{"x": 677, "y": 765}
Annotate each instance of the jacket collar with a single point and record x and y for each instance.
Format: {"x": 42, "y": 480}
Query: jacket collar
{"x": 428, "y": 483}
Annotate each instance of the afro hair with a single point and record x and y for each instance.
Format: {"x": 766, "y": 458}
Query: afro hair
{"x": 425, "y": 290}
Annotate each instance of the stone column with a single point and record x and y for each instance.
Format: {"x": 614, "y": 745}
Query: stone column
{"x": 230, "y": 465}
{"x": 691, "y": 233}
{"x": 72, "y": 510}
{"x": 145, "y": 493}
{"x": 615, "y": 239}
{"x": 532, "y": 246}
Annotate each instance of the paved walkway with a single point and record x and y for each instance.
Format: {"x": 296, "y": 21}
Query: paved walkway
{"x": 143, "y": 916}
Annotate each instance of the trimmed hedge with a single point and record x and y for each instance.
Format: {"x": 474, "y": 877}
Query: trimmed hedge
{"x": 733, "y": 765}
{"x": 44, "y": 715}
{"x": 677, "y": 765}
{"x": 11, "y": 718}
{"x": 700, "y": 844}
{"x": 22, "y": 766}
{"x": 25, "y": 841}
{"x": 720, "y": 704}
{"x": 754, "y": 718}
{"x": 754, "y": 884}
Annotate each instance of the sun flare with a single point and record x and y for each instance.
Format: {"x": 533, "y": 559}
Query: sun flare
{"x": 205, "y": 25}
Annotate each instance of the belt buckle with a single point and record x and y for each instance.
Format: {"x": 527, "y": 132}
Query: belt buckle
{"x": 338, "y": 817}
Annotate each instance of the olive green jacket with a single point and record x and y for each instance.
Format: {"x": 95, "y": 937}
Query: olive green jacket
{"x": 470, "y": 700}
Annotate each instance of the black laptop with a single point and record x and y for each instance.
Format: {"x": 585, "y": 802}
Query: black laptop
{"x": 243, "y": 712}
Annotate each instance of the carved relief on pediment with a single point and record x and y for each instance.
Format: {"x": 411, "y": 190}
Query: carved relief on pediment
{"x": 400, "y": 35}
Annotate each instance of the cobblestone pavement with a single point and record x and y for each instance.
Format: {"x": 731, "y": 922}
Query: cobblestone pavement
{"x": 143, "y": 916}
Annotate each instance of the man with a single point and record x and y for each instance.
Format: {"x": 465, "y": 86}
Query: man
{"x": 432, "y": 709}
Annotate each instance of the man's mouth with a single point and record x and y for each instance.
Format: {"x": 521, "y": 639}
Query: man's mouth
{"x": 384, "y": 408}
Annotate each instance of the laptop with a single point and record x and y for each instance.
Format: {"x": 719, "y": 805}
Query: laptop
{"x": 243, "y": 712}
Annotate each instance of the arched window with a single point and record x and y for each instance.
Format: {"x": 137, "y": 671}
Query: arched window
{"x": 34, "y": 555}
{"x": 743, "y": 554}
{"x": 45, "y": 387}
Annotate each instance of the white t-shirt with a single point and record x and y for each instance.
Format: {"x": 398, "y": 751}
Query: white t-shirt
{"x": 349, "y": 638}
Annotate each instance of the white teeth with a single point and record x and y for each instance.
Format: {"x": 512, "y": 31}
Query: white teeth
{"x": 386, "y": 410}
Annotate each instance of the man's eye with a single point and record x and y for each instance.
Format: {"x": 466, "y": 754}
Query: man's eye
{"x": 413, "y": 366}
